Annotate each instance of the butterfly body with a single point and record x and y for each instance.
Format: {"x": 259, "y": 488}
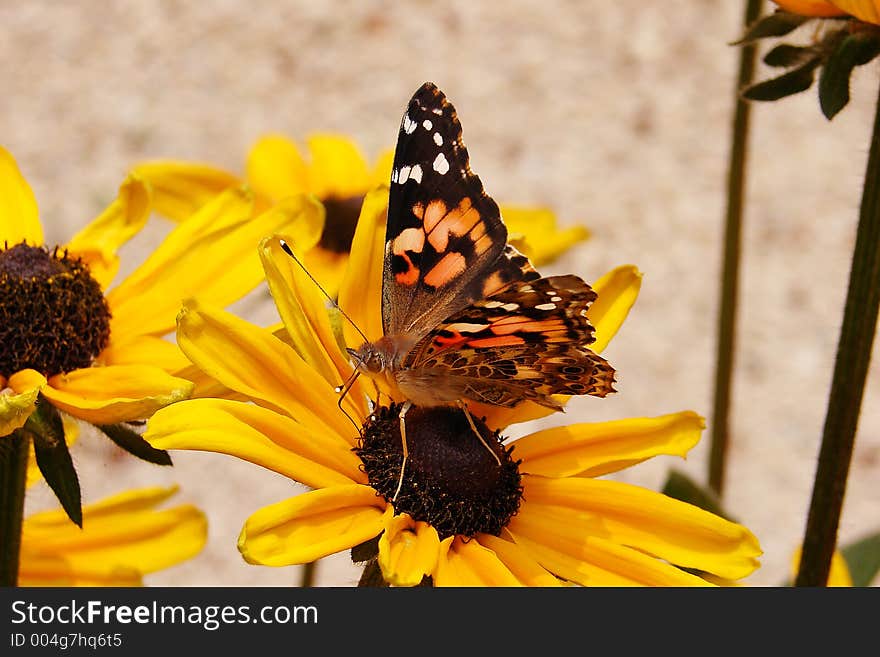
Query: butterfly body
{"x": 465, "y": 316}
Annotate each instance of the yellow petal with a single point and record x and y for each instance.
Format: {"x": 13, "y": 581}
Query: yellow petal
{"x": 303, "y": 308}
{"x": 117, "y": 393}
{"x": 337, "y": 168}
{"x": 381, "y": 174}
{"x": 258, "y": 435}
{"x": 407, "y": 551}
{"x": 201, "y": 254}
{"x": 98, "y": 242}
{"x": 617, "y": 290}
{"x": 276, "y": 169}
{"x": 124, "y": 533}
{"x": 534, "y": 231}
{"x": 144, "y": 349}
{"x": 18, "y": 399}
{"x": 521, "y": 564}
{"x": 866, "y": 10}
{"x": 38, "y": 569}
{"x": 597, "y": 448}
{"x": 838, "y": 576}
{"x": 252, "y": 361}
{"x": 565, "y": 511}
{"x": 594, "y": 561}
{"x": 360, "y": 295}
{"x": 812, "y": 7}
{"x": 181, "y": 188}
{"x": 498, "y": 417}
{"x": 467, "y": 563}
{"x": 312, "y": 525}
{"x": 328, "y": 268}
{"x": 19, "y": 216}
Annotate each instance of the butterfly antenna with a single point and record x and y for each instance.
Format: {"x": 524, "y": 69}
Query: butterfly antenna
{"x": 289, "y": 251}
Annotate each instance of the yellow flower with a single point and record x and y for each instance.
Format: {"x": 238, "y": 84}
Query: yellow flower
{"x": 98, "y": 354}
{"x": 337, "y": 174}
{"x": 544, "y": 519}
{"x": 865, "y": 10}
{"x": 123, "y": 538}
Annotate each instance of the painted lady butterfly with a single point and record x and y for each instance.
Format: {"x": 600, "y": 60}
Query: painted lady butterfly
{"x": 465, "y": 316}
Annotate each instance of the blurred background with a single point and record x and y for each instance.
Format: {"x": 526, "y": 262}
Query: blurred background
{"x": 615, "y": 115}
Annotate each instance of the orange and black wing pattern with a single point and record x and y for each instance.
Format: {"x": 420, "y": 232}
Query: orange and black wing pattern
{"x": 445, "y": 244}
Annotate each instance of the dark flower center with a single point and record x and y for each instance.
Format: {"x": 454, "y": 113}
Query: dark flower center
{"x": 340, "y": 221}
{"x": 451, "y": 480}
{"x": 53, "y": 315}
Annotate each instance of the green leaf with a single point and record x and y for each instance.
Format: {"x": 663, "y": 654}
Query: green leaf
{"x": 863, "y": 559}
{"x": 793, "y": 82}
{"x": 854, "y": 50}
{"x": 133, "y": 443}
{"x": 785, "y": 55}
{"x": 365, "y": 551}
{"x": 681, "y": 487}
{"x": 53, "y": 457}
{"x": 776, "y": 24}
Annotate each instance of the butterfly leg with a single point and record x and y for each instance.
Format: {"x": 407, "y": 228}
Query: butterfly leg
{"x": 402, "y": 415}
{"x": 470, "y": 420}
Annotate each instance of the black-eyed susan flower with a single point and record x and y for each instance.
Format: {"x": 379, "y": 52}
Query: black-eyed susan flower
{"x": 73, "y": 343}
{"x": 335, "y": 172}
{"x": 124, "y": 537}
{"x": 538, "y": 515}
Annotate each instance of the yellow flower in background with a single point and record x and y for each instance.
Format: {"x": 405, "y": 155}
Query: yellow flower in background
{"x": 865, "y": 10}
{"x": 541, "y": 517}
{"x": 123, "y": 538}
{"x": 98, "y": 354}
{"x": 337, "y": 174}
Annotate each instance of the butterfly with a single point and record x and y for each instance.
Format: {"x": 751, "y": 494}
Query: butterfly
{"x": 465, "y": 316}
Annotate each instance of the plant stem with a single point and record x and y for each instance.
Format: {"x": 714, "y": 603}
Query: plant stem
{"x": 731, "y": 257}
{"x": 308, "y": 574}
{"x": 848, "y": 381}
{"x": 13, "y": 472}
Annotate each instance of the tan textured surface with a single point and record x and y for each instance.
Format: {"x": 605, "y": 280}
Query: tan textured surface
{"x": 612, "y": 113}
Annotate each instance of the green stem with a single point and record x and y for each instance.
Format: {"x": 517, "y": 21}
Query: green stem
{"x": 13, "y": 473}
{"x": 308, "y": 574}
{"x": 848, "y": 381}
{"x": 731, "y": 257}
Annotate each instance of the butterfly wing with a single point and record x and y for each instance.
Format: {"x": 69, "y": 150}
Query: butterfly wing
{"x": 528, "y": 341}
{"x": 445, "y": 243}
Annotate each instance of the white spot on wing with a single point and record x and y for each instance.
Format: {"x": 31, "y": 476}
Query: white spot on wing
{"x": 437, "y": 110}
{"x": 408, "y": 124}
{"x": 546, "y": 306}
{"x": 427, "y": 125}
{"x": 441, "y": 166}
{"x": 416, "y": 173}
{"x": 403, "y": 174}
{"x": 510, "y": 306}
{"x": 466, "y": 327}
{"x": 438, "y": 139}
{"x": 492, "y": 304}
{"x": 556, "y": 298}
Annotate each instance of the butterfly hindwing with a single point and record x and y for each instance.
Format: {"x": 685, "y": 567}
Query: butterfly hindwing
{"x": 445, "y": 243}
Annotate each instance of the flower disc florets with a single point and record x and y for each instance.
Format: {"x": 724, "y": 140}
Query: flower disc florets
{"x": 451, "y": 480}
{"x": 53, "y": 314}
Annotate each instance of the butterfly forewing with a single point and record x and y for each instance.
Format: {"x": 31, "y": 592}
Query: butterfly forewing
{"x": 445, "y": 242}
